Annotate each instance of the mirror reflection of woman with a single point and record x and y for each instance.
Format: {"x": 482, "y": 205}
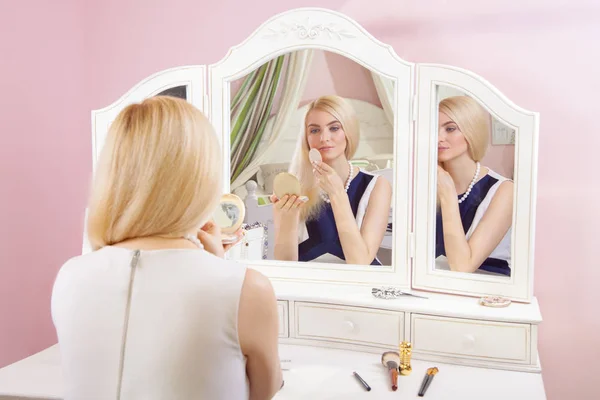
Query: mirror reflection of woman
{"x": 346, "y": 214}
{"x": 475, "y": 203}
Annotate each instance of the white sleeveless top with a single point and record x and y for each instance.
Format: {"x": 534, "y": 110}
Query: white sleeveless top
{"x": 472, "y": 211}
{"x": 503, "y": 250}
{"x": 164, "y": 329}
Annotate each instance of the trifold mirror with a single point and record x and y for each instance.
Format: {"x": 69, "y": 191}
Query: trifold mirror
{"x": 458, "y": 157}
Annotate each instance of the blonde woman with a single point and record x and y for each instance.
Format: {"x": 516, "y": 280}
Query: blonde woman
{"x": 346, "y": 215}
{"x": 155, "y": 312}
{"x": 475, "y": 203}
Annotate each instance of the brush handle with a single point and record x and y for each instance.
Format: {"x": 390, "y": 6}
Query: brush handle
{"x": 424, "y": 384}
{"x": 394, "y": 376}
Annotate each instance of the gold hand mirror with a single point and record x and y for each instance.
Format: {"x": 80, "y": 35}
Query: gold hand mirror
{"x": 229, "y": 216}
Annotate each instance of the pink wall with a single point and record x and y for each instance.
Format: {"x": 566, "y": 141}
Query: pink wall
{"x": 500, "y": 158}
{"x": 331, "y": 73}
{"x": 44, "y": 163}
{"x": 543, "y": 54}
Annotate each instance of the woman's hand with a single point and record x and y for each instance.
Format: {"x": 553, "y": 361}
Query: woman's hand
{"x": 211, "y": 238}
{"x": 445, "y": 184}
{"x": 286, "y": 217}
{"x": 328, "y": 180}
{"x": 288, "y": 207}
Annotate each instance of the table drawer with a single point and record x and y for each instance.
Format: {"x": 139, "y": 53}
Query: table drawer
{"x": 358, "y": 325}
{"x": 456, "y": 337}
{"x": 282, "y": 310}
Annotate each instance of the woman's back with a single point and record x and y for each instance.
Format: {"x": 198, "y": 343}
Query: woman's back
{"x": 164, "y": 328}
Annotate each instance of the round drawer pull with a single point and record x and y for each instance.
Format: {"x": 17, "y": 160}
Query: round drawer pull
{"x": 469, "y": 341}
{"x": 349, "y": 325}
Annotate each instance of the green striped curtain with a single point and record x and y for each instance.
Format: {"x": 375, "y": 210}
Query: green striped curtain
{"x": 250, "y": 111}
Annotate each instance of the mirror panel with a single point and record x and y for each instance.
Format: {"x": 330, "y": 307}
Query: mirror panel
{"x": 184, "y": 82}
{"x": 269, "y": 117}
{"x": 177, "y": 91}
{"x": 260, "y": 94}
{"x": 476, "y": 156}
{"x": 475, "y": 187}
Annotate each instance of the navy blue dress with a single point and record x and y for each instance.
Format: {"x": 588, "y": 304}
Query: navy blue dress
{"x": 471, "y": 212}
{"x": 323, "y": 238}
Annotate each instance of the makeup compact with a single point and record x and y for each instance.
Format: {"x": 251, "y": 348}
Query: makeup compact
{"x": 286, "y": 183}
{"x": 229, "y": 216}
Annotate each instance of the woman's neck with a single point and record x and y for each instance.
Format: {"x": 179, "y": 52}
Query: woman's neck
{"x": 462, "y": 169}
{"x": 156, "y": 243}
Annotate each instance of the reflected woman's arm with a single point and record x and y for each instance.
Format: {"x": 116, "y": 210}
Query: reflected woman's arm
{"x": 286, "y": 216}
{"x": 361, "y": 246}
{"x": 467, "y": 256}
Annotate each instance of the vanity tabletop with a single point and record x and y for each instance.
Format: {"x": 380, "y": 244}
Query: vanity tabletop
{"x": 315, "y": 373}
{"x": 326, "y": 374}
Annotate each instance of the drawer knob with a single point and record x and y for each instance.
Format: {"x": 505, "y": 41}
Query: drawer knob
{"x": 469, "y": 341}
{"x": 349, "y": 325}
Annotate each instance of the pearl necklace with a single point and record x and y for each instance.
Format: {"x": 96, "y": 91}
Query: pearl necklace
{"x": 324, "y": 195}
{"x": 464, "y": 196}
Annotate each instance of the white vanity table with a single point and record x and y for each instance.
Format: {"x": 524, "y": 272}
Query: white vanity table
{"x": 330, "y": 323}
{"x": 328, "y": 331}
{"x": 316, "y": 373}
{"x": 442, "y": 328}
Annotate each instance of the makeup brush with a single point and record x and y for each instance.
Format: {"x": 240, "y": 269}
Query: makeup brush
{"x": 391, "y": 360}
{"x": 427, "y": 381}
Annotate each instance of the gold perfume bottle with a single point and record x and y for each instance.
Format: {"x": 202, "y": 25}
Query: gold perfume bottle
{"x": 405, "y": 354}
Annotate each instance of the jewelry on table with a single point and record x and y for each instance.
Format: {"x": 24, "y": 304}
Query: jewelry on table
{"x": 390, "y": 292}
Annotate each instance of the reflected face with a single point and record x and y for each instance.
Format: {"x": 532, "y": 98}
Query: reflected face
{"x": 451, "y": 141}
{"x": 325, "y": 133}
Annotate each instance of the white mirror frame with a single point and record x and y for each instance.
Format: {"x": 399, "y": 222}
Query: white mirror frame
{"x": 192, "y": 77}
{"x": 314, "y": 28}
{"x": 519, "y": 286}
{"x": 415, "y": 119}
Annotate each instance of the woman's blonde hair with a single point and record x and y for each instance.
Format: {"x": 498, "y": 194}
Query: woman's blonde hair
{"x": 472, "y": 120}
{"x": 300, "y": 165}
{"x": 159, "y": 173}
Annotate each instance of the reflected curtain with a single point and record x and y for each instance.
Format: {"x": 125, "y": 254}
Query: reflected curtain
{"x": 250, "y": 110}
{"x": 293, "y": 88}
{"x": 385, "y": 91}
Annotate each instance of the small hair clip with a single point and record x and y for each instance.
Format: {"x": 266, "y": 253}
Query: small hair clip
{"x": 390, "y": 292}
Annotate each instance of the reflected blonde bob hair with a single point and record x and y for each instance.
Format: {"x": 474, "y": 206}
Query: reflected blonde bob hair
{"x": 300, "y": 165}
{"x": 159, "y": 173}
{"x": 472, "y": 120}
